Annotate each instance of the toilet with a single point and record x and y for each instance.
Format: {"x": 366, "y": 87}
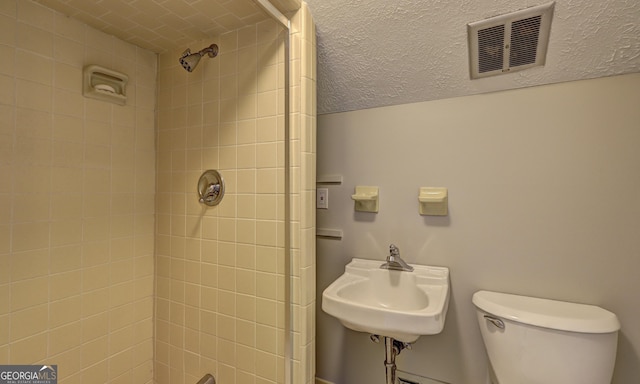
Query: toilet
{"x": 539, "y": 341}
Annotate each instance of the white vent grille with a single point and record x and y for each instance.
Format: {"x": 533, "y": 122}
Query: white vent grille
{"x": 490, "y": 49}
{"x": 510, "y": 42}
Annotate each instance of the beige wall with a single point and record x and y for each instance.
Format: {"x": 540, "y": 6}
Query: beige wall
{"x": 79, "y": 198}
{"x": 543, "y": 201}
{"x": 76, "y": 201}
{"x": 220, "y": 304}
{"x": 303, "y": 184}
{"x": 220, "y": 299}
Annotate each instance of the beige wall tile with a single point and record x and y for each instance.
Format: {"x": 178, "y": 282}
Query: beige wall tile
{"x": 34, "y": 67}
{"x": 245, "y": 256}
{"x": 266, "y": 365}
{"x": 28, "y": 322}
{"x": 266, "y": 312}
{"x": 226, "y": 303}
{"x": 98, "y": 372}
{"x": 246, "y": 181}
{"x": 5, "y": 299}
{"x": 267, "y": 259}
{"x": 29, "y": 350}
{"x": 246, "y": 206}
{"x": 246, "y": 281}
{"x": 247, "y": 108}
{"x": 227, "y": 252}
{"x": 27, "y": 293}
{"x": 268, "y": 79}
{"x": 64, "y": 338}
{"x": 267, "y": 104}
{"x": 65, "y": 311}
{"x": 95, "y": 302}
{"x": 120, "y": 339}
{"x": 246, "y": 231}
{"x": 246, "y": 307}
{"x": 85, "y": 133}
{"x": 267, "y": 207}
{"x": 69, "y": 361}
{"x": 95, "y": 351}
{"x": 7, "y": 90}
{"x": 64, "y": 285}
{"x": 95, "y": 277}
{"x": 67, "y": 51}
{"x": 34, "y": 39}
{"x": 266, "y": 285}
{"x": 8, "y": 28}
{"x": 66, "y": 232}
{"x": 30, "y": 264}
{"x": 266, "y": 339}
{"x": 66, "y": 206}
{"x": 33, "y": 151}
{"x": 245, "y": 332}
{"x": 246, "y": 132}
{"x": 266, "y": 155}
{"x": 266, "y": 233}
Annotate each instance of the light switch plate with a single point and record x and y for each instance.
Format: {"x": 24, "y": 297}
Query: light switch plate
{"x": 322, "y": 198}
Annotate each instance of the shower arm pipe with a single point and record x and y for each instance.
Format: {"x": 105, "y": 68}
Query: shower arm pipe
{"x": 275, "y": 13}
{"x": 211, "y": 50}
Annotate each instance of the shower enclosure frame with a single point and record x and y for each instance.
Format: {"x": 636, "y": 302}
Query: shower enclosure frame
{"x": 288, "y": 341}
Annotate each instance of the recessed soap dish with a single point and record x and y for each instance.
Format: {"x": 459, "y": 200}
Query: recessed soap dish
{"x": 105, "y": 84}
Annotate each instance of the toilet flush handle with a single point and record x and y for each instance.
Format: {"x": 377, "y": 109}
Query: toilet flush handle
{"x": 495, "y": 321}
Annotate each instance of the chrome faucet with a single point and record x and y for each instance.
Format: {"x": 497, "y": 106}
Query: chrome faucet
{"x": 394, "y": 262}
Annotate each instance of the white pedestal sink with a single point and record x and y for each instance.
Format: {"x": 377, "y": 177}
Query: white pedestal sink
{"x": 397, "y": 304}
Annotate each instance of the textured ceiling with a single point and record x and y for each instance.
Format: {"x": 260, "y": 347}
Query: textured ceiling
{"x": 161, "y": 25}
{"x": 374, "y": 53}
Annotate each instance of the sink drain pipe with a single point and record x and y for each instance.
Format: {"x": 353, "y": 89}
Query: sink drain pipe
{"x": 392, "y": 349}
{"x": 390, "y": 360}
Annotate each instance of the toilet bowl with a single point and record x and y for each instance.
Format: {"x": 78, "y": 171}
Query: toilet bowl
{"x": 539, "y": 341}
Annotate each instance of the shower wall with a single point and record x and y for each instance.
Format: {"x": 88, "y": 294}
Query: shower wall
{"x": 220, "y": 299}
{"x": 220, "y": 271}
{"x": 77, "y": 184}
{"x": 81, "y": 212}
{"x": 303, "y": 194}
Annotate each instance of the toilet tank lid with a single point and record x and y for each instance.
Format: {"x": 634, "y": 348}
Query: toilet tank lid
{"x": 547, "y": 313}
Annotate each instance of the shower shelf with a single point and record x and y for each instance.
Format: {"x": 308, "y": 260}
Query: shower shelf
{"x": 105, "y": 84}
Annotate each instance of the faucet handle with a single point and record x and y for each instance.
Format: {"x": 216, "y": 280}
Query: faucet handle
{"x": 395, "y": 262}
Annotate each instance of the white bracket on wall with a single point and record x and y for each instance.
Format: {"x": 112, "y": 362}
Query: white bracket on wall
{"x": 433, "y": 201}
{"x": 329, "y": 232}
{"x": 329, "y": 179}
{"x": 366, "y": 199}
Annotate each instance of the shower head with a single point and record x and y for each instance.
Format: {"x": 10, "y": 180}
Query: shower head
{"x": 190, "y": 60}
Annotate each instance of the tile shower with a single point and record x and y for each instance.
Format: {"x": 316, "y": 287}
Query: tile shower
{"x": 106, "y": 257}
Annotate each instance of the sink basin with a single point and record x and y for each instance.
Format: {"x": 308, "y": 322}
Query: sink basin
{"x": 398, "y": 304}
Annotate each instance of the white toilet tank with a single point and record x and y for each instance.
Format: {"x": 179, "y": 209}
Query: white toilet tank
{"x": 539, "y": 341}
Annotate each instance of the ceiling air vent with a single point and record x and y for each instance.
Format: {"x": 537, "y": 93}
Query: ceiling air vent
{"x": 510, "y": 42}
